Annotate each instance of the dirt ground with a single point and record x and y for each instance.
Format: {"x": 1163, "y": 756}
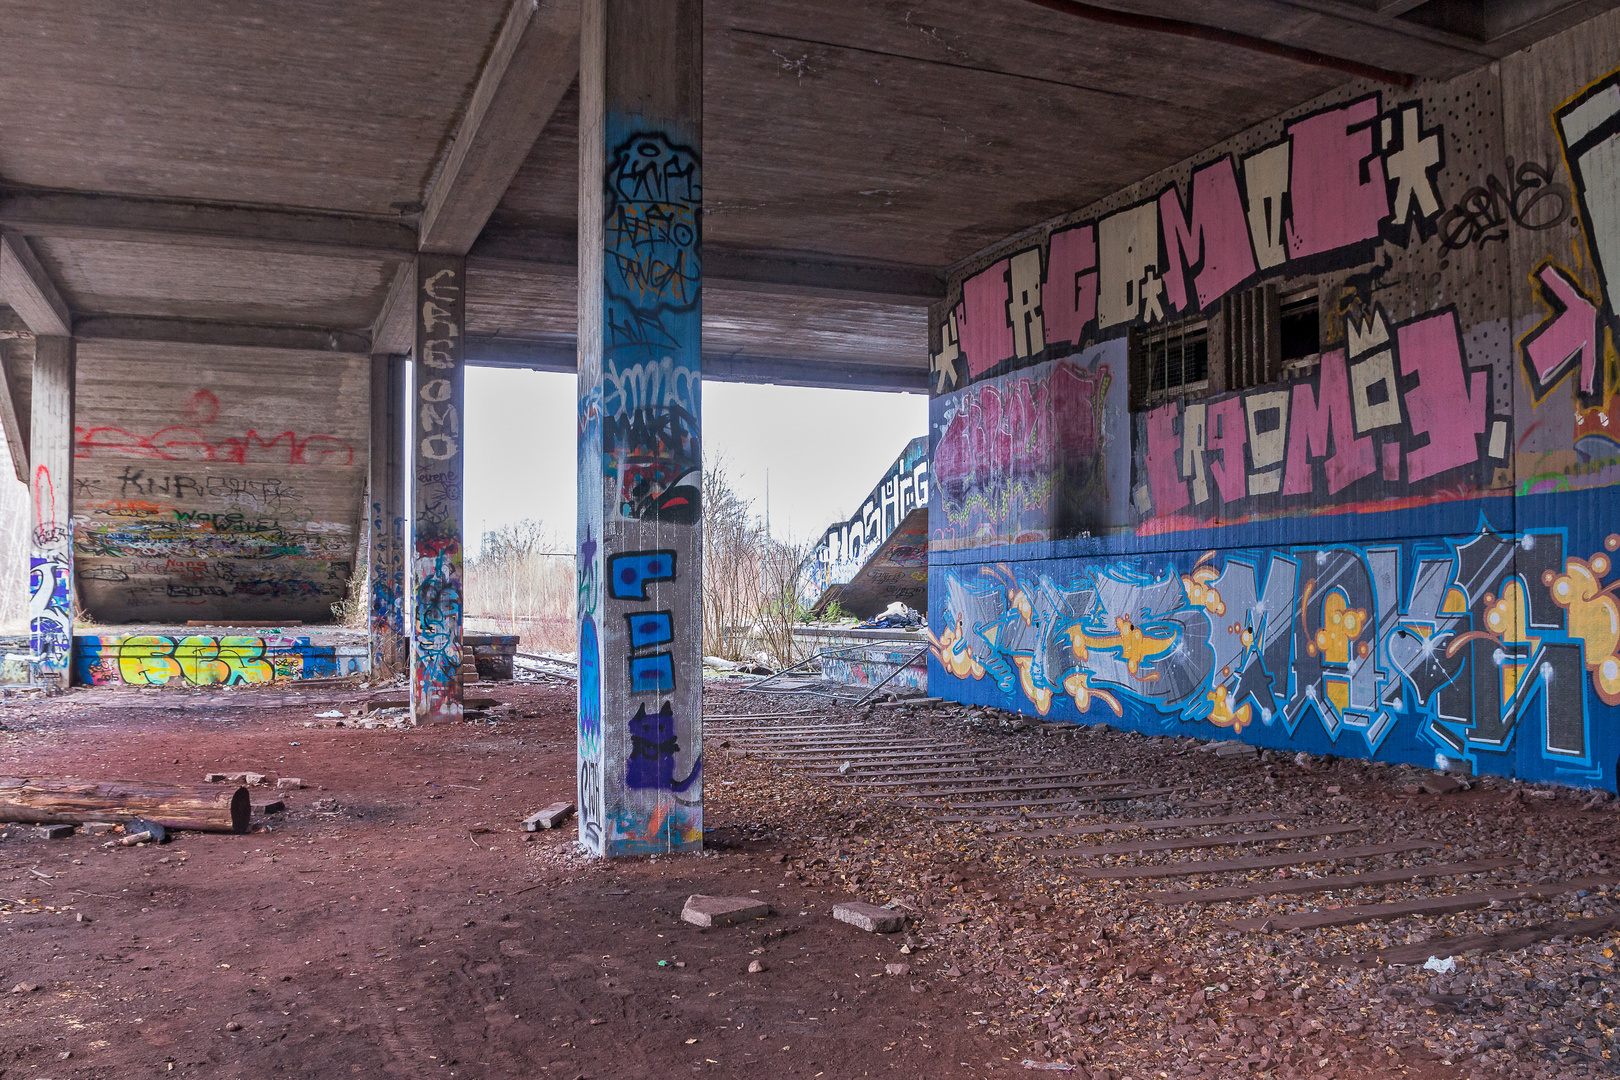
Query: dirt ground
{"x": 394, "y": 920}
{"x": 375, "y": 929}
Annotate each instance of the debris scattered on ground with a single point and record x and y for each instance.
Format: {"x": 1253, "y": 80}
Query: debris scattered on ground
{"x": 722, "y": 910}
{"x": 549, "y": 818}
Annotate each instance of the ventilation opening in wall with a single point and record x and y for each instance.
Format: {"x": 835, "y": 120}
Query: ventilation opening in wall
{"x": 1299, "y": 333}
{"x": 1482, "y": 20}
{"x": 1169, "y": 361}
{"x": 1267, "y": 337}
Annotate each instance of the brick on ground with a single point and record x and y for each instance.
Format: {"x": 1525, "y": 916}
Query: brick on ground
{"x": 549, "y": 818}
{"x": 869, "y": 917}
{"x": 722, "y": 910}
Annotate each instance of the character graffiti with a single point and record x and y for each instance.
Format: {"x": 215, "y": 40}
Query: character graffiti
{"x": 1467, "y": 642}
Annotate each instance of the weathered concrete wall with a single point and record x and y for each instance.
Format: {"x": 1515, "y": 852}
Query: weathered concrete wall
{"x": 847, "y": 546}
{"x": 1405, "y": 552}
{"x": 217, "y": 483}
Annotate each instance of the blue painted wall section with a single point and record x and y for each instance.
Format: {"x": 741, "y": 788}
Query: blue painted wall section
{"x": 1403, "y": 548}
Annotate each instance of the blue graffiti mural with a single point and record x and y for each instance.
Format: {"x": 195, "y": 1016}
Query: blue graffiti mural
{"x": 653, "y": 746}
{"x": 1497, "y": 648}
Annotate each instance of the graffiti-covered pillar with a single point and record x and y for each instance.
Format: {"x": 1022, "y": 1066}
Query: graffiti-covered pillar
{"x": 640, "y": 337}
{"x": 387, "y": 516}
{"x": 436, "y": 466}
{"x": 50, "y": 565}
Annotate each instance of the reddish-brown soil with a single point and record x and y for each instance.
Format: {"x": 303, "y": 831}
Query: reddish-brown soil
{"x": 385, "y": 934}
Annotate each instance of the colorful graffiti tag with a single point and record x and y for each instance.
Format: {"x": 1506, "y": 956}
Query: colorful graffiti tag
{"x": 846, "y": 546}
{"x": 1492, "y": 648}
{"x": 207, "y": 660}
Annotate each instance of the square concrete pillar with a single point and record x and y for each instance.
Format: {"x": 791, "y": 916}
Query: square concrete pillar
{"x": 387, "y": 517}
{"x": 640, "y": 454}
{"x": 437, "y": 456}
{"x": 51, "y": 601}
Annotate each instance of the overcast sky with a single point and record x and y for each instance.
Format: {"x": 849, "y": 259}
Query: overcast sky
{"x": 823, "y": 450}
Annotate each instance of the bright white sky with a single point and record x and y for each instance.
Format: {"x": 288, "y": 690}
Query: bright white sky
{"x": 824, "y": 450}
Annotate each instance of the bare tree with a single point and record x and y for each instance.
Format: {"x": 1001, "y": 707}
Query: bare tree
{"x": 522, "y": 582}
{"x": 750, "y": 581}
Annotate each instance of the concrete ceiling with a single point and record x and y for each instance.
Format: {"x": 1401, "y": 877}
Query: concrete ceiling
{"x": 256, "y": 172}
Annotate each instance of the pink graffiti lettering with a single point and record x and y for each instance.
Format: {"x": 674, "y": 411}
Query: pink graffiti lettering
{"x": 1447, "y": 403}
{"x": 188, "y": 444}
{"x": 1163, "y": 455}
{"x": 1319, "y": 423}
{"x": 1225, "y": 438}
{"x": 987, "y": 337}
{"x": 1069, "y": 299}
{"x": 1333, "y": 206}
{"x": 1569, "y": 336}
{"x": 1217, "y": 239}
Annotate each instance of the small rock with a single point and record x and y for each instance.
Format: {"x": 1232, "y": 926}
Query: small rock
{"x": 64, "y": 1055}
{"x": 755, "y": 967}
{"x": 897, "y": 969}
{"x": 1440, "y": 784}
{"x": 253, "y": 779}
{"x": 233, "y": 1026}
{"x": 869, "y": 917}
{"x": 288, "y": 782}
{"x": 216, "y": 778}
{"x": 55, "y": 832}
{"x": 82, "y": 917}
{"x": 1233, "y": 748}
{"x": 722, "y": 910}
{"x": 25, "y": 988}
{"x": 550, "y": 817}
{"x": 99, "y": 828}
{"x": 1102, "y": 729}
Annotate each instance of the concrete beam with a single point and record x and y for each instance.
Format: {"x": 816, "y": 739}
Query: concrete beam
{"x": 16, "y": 371}
{"x": 115, "y": 217}
{"x": 51, "y": 602}
{"x": 193, "y": 332}
{"x": 798, "y": 273}
{"x": 559, "y": 355}
{"x": 386, "y": 582}
{"x": 535, "y": 60}
{"x": 393, "y": 333}
{"x": 26, "y": 287}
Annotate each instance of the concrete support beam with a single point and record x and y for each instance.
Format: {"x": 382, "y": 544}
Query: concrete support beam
{"x": 195, "y": 332}
{"x": 74, "y": 216}
{"x": 640, "y": 771}
{"x": 531, "y": 67}
{"x": 394, "y": 331}
{"x": 51, "y": 600}
{"x": 16, "y": 372}
{"x": 387, "y": 516}
{"x": 26, "y": 287}
{"x": 437, "y": 459}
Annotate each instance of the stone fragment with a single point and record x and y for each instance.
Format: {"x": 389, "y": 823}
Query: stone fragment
{"x": 233, "y": 1026}
{"x": 549, "y": 818}
{"x": 1232, "y": 748}
{"x": 273, "y": 806}
{"x": 253, "y": 779}
{"x": 55, "y": 832}
{"x": 897, "y": 969}
{"x": 755, "y": 967}
{"x": 98, "y": 828}
{"x": 24, "y": 988}
{"x": 287, "y": 782}
{"x": 216, "y": 778}
{"x": 869, "y": 917}
{"x": 722, "y": 910}
{"x": 1440, "y": 784}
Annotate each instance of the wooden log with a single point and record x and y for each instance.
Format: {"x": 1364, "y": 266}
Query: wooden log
{"x": 57, "y": 801}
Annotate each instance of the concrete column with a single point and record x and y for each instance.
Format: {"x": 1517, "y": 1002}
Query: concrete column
{"x": 640, "y": 339}
{"x": 51, "y": 600}
{"x": 436, "y": 469}
{"x": 387, "y": 517}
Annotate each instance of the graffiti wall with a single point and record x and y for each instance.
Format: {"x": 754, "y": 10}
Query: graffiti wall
{"x": 211, "y": 660}
{"x": 226, "y": 490}
{"x": 640, "y": 694}
{"x": 1400, "y": 543}
{"x": 847, "y": 546}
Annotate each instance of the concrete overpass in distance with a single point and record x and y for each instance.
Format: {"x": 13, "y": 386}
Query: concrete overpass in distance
{"x": 246, "y": 254}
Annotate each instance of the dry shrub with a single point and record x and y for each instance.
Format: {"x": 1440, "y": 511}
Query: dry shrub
{"x": 750, "y": 581}
{"x": 522, "y": 582}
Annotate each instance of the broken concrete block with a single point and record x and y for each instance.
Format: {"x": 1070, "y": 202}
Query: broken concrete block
{"x": 286, "y": 782}
{"x": 55, "y": 832}
{"x": 897, "y": 969}
{"x": 869, "y": 917}
{"x": 722, "y": 910}
{"x": 273, "y": 806}
{"x": 1440, "y": 784}
{"x": 550, "y": 817}
{"x": 253, "y": 779}
{"x": 98, "y": 828}
{"x": 216, "y": 778}
{"x": 1236, "y": 749}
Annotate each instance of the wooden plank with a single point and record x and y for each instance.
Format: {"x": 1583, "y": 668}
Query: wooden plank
{"x": 1507, "y": 941}
{"x": 1433, "y": 905}
{"x": 1108, "y": 796}
{"x": 1161, "y": 823}
{"x": 1328, "y": 884}
{"x": 533, "y": 62}
{"x": 1188, "y": 843}
{"x": 1010, "y": 777}
{"x": 1000, "y": 789}
{"x": 1265, "y": 862}
{"x": 29, "y": 291}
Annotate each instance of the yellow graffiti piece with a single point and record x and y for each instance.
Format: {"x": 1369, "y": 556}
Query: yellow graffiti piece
{"x": 1224, "y": 715}
{"x": 1594, "y": 618}
{"x": 1200, "y": 591}
{"x": 1455, "y": 603}
{"x": 1509, "y": 617}
{"x": 1040, "y": 696}
{"x": 952, "y": 652}
{"x": 1341, "y": 626}
{"x": 1135, "y": 645}
{"x": 1075, "y": 686}
{"x": 198, "y": 661}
